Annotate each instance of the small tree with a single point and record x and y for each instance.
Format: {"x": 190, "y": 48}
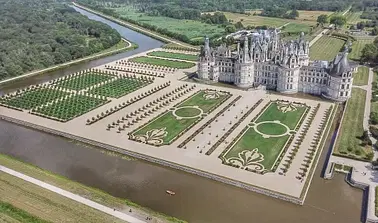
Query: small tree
{"x": 322, "y": 19}
{"x": 338, "y": 20}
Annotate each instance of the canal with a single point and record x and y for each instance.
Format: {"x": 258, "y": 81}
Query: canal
{"x": 197, "y": 199}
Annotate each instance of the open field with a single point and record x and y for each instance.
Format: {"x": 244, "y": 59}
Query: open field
{"x": 357, "y": 47}
{"x": 82, "y": 190}
{"x": 311, "y": 16}
{"x": 348, "y": 142}
{"x": 166, "y": 128}
{"x": 362, "y": 76}
{"x": 28, "y": 200}
{"x": 190, "y": 28}
{"x": 261, "y": 144}
{"x": 326, "y": 48}
{"x": 354, "y": 17}
{"x": 170, "y": 55}
{"x": 163, "y": 62}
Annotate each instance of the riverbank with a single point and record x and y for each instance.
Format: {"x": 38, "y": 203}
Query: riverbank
{"x": 24, "y": 201}
{"x": 136, "y": 28}
{"x": 93, "y": 194}
{"x": 108, "y": 52}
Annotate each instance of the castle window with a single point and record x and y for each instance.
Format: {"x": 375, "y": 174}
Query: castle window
{"x": 347, "y": 87}
{"x": 301, "y": 78}
{"x": 342, "y": 86}
{"x": 346, "y": 93}
{"x": 341, "y": 94}
{"x": 291, "y": 86}
{"x": 324, "y": 81}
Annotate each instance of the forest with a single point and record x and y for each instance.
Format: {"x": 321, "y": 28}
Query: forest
{"x": 36, "y": 34}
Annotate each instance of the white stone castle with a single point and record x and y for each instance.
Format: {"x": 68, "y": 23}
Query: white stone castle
{"x": 263, "y": 59}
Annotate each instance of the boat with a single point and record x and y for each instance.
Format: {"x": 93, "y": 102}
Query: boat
{"x": 170, "y": 192}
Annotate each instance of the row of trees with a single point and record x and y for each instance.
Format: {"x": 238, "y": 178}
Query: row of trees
{"x": 274, "y": 11}
{"x": 40, "y": 33}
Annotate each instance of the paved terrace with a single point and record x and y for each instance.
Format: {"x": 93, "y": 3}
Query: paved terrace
{"x": 191, "y": 156}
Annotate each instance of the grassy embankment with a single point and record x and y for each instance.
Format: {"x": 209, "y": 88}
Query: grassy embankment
{"x": 21, "y": 201}
{"x": 93, "y": 194}
{"x": 122, "y": 46}
{"x": 357, "y": 47}
{"x": 191, "y": 28}
{"x": 326, "y": 48}
{"x": 169, "y": 55}
{"x": 348, "y": 143}
{"x": 361, "y": 77}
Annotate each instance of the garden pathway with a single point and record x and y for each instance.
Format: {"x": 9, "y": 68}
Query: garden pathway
{"x": 72, "y": 196}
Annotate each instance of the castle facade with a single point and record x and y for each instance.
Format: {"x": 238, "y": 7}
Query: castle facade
{"x": 264, "y": 60}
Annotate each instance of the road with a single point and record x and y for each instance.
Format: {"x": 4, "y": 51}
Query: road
{"x": 72, "y": 196}
{"x": 142, "y": 30}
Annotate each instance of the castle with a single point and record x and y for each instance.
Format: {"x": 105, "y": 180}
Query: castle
{"x": 264, "y": 59}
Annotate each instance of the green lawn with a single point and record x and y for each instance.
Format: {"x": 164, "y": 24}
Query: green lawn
{"x": 348, "y": 142}
{"x": 326, "y": 48}
{"x": 189, "y": 28}
{"x": 361, "y": 77}
{"x": 270, "y": 148}
{"x": 163, "y": 62}
{"x": 180, "y": 56}
{"x": 165, "y": 128}
{"x": 357, "y": 47}
{"x": 9, "y": 213}
{"x": 119, "y": 87}
{"x": 296, "y": 27}
{"x": 71, "y": 107}
{"x": 83, "y": 81}
{"x": 34, "y": 98}
{"x": 243, "y": 153}
{"x": 290, "y": 119}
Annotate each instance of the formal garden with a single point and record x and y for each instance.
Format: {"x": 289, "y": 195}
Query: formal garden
{"x": 162, "y": 62}
{"x": 70, "y": 107}
{"x": 261, "y": 144}
{"x": 31, "y": 97}
{"x": 83, "y": 79}
{"x": 170, "y": 55}
{"x": 167, "y": 127}
{"x": 120, "y": 86}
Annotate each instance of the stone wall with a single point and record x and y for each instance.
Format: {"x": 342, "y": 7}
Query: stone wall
{"x": 225, "y": 180}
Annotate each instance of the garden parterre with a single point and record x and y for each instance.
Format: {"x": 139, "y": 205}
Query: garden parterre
{"x": 263, "y": 141}
{"x": 84, "y": 80}
{"x": 120, "y": 86}
{"x": 162, "y": 62}
{"x": 180, "y": 56}
{"x": 32, "y": 97}
{"x": 171, "y": 124}
{"x": 70, "y": 107}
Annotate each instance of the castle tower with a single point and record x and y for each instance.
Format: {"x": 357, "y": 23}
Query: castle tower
{"x": 244, "y": 68}
{"x": 206, "y": 62}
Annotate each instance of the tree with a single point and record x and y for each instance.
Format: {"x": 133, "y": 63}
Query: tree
{"x": 230, "y": 29}
{"x": 374, "y": 31}
{"x": 338, "y": 20}
{"x": 369, "y": 53}
{"x": 322, "y": 19}
{"x": 239, "y": 25}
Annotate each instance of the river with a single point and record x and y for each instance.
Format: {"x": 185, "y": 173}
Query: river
{"x": 197, "y": 199}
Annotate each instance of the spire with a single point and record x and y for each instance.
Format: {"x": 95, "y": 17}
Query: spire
{"x": 207, "y": 44}
{"x": 245, "y": 50}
